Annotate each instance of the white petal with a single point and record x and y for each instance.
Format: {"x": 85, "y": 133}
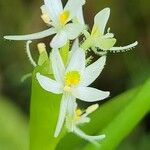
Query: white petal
{"x": 80, "y": 16}
{"x": 73, "y": 6}
{"x": 89, "y": 94}
{"x": 44, "y": 9}
{"x": 57, "y": 66}
{"x": 92, "y": 139}
{"x": 73, "y": 30}
{"x": 77, "y": 61}
{"x": 93, "y": 71}
{"x": 59, "y": 40}
{"x": 33, "y": 36}
{"x": 75, "y": 46}
{"x": 54, "y": 8}
{"x": 49, "y": 84}
{"x": 62, "y": 114}
{"x": 101, "y": 19}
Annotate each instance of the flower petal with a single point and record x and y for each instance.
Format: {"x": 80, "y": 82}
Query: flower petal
{"x": 80, "y": 16}
{"x": 101, "y": 19}
{"x": 62, "y": 114}
{"x": 72, "y": 6}
{"x": 77, "y": 61}
{"x": 67, "y": 105}
{"x": 54, "y": 8}
{"x": 93, "y": 71}
{"x": 92, "y": 139}
{"x": 49, "y": 84}
{"x": 59, "y": 40}
{"x": 75, "y": 46}
{"x": 89, "y": 94}
{"x": 73, "y": 30}
{"x": 33, "y": 36}
{"x": 57, "y": 66}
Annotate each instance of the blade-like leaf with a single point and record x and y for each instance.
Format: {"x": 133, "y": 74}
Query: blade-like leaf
{"x": 126, "y": 120}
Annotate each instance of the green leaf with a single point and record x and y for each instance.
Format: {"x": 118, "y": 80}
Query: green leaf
{"x": 126, "y": 120}
{"x": 43, "y": 115}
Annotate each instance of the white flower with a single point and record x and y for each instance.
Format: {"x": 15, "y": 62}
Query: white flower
{"x": 61, "y": 21}
{"x": 80, "y": 117}
{"x": 73, "y": 81}
{"x": 106, "y": 41}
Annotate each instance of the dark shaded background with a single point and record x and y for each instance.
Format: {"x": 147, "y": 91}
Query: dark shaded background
{"x": 129, "y": 20}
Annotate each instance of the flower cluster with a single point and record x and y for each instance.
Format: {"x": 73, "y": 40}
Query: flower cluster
{"x": 73, "y": 74}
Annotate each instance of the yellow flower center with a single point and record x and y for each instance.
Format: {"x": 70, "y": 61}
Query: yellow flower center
{"x": 78, "y": 114}
{"x": 63, "y": 17}
{"x": 72, "y": 78}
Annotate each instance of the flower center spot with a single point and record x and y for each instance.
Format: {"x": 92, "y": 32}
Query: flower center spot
{"x": 72, "y": 78}
{"x": 78, "y": 114}
{"x": 63, "y": 17}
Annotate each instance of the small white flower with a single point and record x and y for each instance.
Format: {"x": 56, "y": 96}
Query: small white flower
{"x": 60, "y": 21}
{"x": 73, "y": 81}
{"x": 80, "y": 117}
{"x": 106, "y": 41}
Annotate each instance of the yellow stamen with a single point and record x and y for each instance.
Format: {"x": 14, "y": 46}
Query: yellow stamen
{"x": 92, "y": 108}
{"x": 41, "y": 47}
{"x": 78, "y": 114}
{"x": 45, "y": 18}
{"x": 72, "y": 78}
{"x": 64, "y": 17}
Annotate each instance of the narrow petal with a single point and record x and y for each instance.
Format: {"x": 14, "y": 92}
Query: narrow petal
{"x": 72, "y": 6}
{"x": 124, "y": 48}
{"x": 59, "y": 40}
{"x": 54, "y": 8}
{"x": 75, "y": 46}
{"x": 92, "y": 139}
{"x": 104, "y": 43}
{"x": 33, "y": 36}
{"x": 49, "y": 84}
{"x": 57, "y": 66}
{"x": 77, "y": 61}
{"x": 93, "y": 71}
{"x": 80, "y": 16}
{"x": 89, "y": 94}
{"x": 62, "y": 114}
{"x": 101, "y": 19}
{"x": 73, "y": 30}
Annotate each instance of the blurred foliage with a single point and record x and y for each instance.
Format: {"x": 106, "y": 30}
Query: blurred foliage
{"x": 13, "y": 127}
{"x": 129, "y": 21}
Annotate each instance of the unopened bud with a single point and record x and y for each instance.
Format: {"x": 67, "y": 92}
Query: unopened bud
{"x": 41, "y": 47}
